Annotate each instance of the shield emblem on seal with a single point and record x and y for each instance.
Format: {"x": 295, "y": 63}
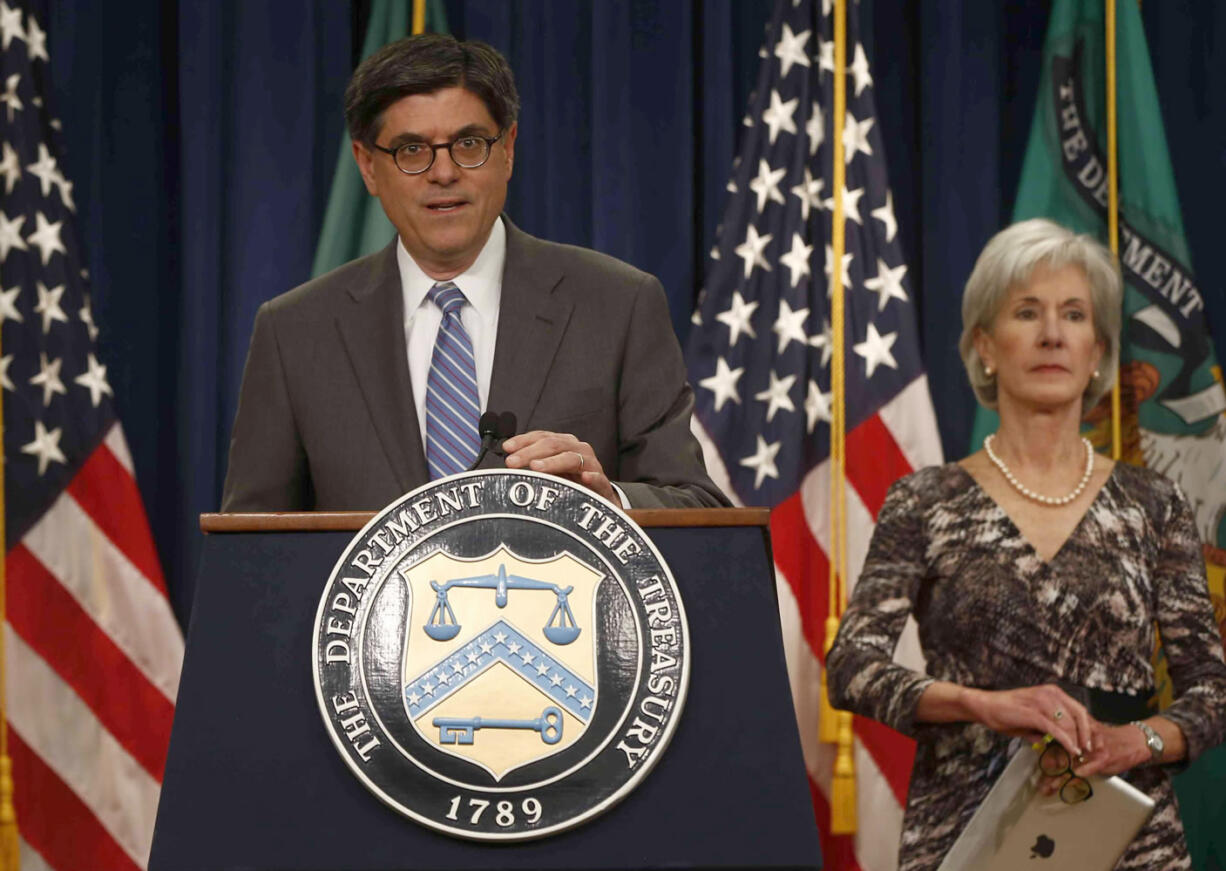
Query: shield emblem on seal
{"x": 499, "y": 665}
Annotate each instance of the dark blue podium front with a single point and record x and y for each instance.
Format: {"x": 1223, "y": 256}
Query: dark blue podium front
{"x": 252, "y": 780}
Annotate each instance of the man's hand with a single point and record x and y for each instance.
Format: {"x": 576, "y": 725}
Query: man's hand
{"x": 560, "y": 454}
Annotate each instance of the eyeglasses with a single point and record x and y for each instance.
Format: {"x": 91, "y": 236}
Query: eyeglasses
{"x": 1055, "y": 762}
{"x": 469, "y": 152}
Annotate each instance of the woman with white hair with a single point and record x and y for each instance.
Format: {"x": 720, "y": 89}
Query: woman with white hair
{"x": 1037, "y": 571}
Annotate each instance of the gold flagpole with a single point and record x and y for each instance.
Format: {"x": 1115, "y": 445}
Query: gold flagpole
{"x": 1113, "y": 206}
{"x": 843, "y": 789}
{"x": 10, "y": 857}
{"x": 419, "y": 16}
{"x": 827, "y": 721}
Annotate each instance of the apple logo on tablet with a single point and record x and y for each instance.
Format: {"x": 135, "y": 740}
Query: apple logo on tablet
{"x": 1043, "y": 847}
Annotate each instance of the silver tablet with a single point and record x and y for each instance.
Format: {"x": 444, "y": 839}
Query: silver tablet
{"x": 1017, "y": 828}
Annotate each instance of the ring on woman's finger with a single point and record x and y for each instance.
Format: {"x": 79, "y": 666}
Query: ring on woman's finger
{"x": 580, "y": 456}
{"x": 1059, "y": 715}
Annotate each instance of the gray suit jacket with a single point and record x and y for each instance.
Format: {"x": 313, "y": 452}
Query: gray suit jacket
{"x": 326, "y": 418}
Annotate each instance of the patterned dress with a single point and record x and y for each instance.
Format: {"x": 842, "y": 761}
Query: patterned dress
{"x": 993, "y": 615}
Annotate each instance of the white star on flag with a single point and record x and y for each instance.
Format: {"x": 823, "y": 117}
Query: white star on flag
{"x": 830, "y": 271}
{"x": 44, "y": 169}
{"x": 824, "y": 341}
{"x": 763, "y": 462}
{"x": 9, "y": 98}
{"x": 766, "y": 184}
{"x": 790, "y": 326}
{"x": 36, "y": 39}
{"x": 46, "y": 237}
{"x": 855, "y": 137}
{"x": 10, "y": 235}
{"x": 10, "y": 168}
{"x": 5, "y": 362}
{"x": 875, "y": 349}
{"x": 10, "y": 25}
{"x": 885, "y": 215}
{"x": 48, "y": 378}
{"x": 776, "y": 395}
{"x": 738, "y": 318}
{"x": 791, "y": 49}
{"x": 49, "y": 306}
{"x": 8, "y": 305}
{"x": 887, "y": 284}
{"x": 65, "y": 187}
{"x": 779, "y": 115}
{"x": 859, "y": 69}
{"x": 87, "y": 318}
{"x": 723, "y": 383}
{"x": 797, "y": 260}
{"x": 809, "y": 194}
{"x": 817, "y": 405}
{"x": 851, "y": 204}
{"x": 825, "y": 55}
{"x": 815, "y": 128}
{"x": 46, "y": 446}
{"x": 751, "y": 250}
{"x": 94, "y": 379}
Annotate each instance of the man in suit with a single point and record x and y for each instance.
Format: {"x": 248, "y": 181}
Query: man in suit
{"x": 366, "y": 382}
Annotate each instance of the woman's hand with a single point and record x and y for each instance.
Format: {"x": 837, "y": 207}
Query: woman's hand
{"x": 1031, "y": 712}
{"x": 1116, "y": 749}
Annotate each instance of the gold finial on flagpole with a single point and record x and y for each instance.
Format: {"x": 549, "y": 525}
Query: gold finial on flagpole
{"x": 843, "y": 791}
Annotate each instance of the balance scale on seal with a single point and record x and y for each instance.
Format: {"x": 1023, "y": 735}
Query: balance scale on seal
{"x": 560, "y": 628}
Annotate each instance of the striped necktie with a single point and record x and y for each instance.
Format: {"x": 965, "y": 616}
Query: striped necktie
{"x": 452, "y": 402}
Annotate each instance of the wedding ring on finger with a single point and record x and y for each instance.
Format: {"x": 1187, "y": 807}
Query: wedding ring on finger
{"x": 580, "y": 456}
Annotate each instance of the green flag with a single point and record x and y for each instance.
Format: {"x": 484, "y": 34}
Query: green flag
{"x": 354, "y": 222}
{"x": 1172, "y": 398}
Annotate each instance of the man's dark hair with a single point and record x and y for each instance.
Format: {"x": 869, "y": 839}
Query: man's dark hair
{"x": 421, "y": 65}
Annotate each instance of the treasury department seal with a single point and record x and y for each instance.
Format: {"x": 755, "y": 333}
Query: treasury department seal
{"x": 501, "y": 655}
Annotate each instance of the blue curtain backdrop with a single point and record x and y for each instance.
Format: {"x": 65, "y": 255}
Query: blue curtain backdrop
{"x": 202, "y": 137}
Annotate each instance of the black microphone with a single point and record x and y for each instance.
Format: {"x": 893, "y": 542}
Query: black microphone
{"x": 507, "y": 425}
{"x": 494, "y": 429}
{"x": 488, "y": 429}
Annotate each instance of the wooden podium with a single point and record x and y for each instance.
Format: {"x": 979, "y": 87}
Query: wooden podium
{"x": 253, "y": 782}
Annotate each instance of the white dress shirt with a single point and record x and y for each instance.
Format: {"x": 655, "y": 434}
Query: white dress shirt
{"x": 481, "y": 285}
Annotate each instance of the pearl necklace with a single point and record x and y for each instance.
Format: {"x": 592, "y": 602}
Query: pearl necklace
{"x": 1030, "y": 494}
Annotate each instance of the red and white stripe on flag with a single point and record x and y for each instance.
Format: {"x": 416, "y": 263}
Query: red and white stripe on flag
{"x": 899, "y": 439}
{"x": 93, "y": 657}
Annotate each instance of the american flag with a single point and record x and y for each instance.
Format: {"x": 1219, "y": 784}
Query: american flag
{"x": 91, "y": 645}
{"x": 760, "y": 354}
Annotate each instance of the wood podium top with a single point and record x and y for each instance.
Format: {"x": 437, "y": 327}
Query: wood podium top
{"x": 352, "y": 521}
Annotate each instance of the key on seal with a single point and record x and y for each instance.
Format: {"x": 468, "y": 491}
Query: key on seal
{"x": 462, "y": 730}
